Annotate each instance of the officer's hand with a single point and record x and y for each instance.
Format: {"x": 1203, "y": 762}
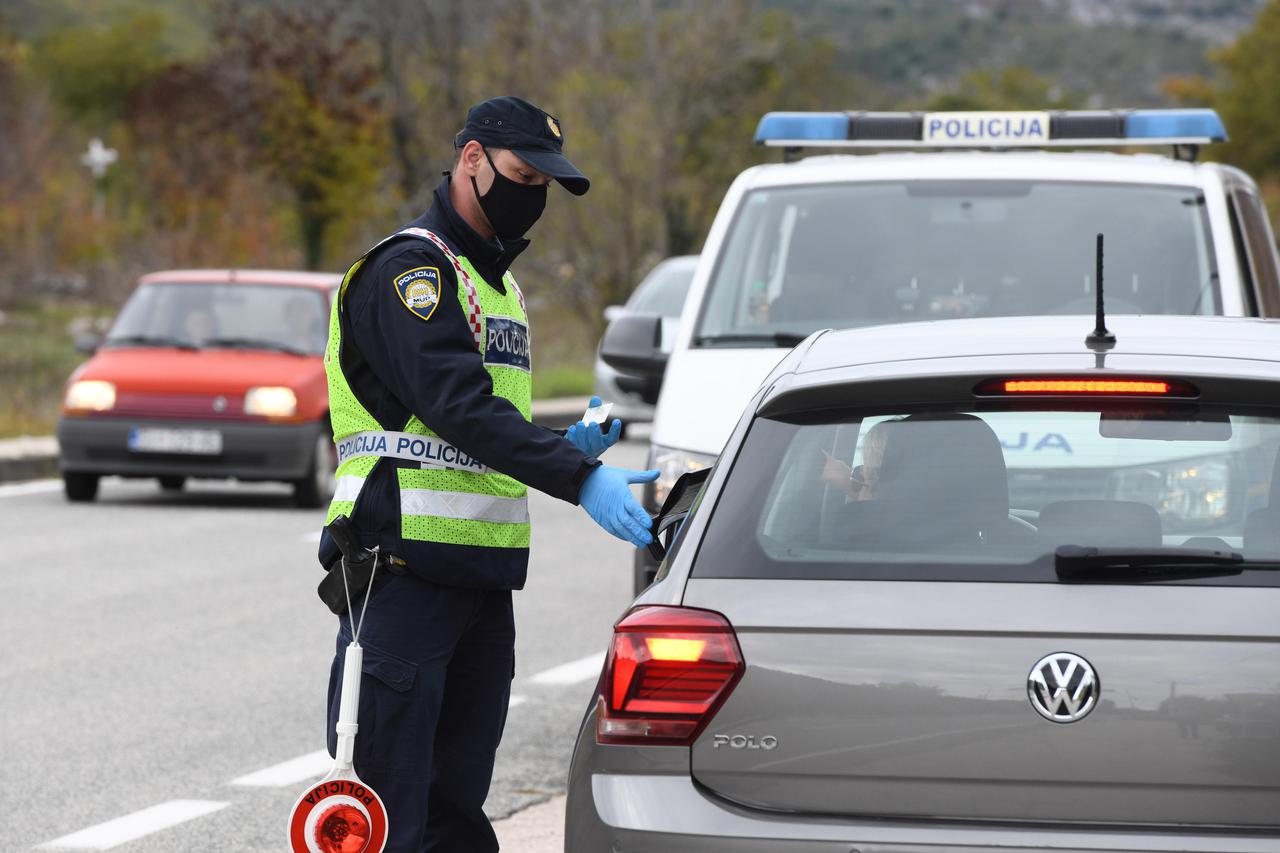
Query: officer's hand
{"x": 606, "y": 496}
{"x": 589, "y": 438}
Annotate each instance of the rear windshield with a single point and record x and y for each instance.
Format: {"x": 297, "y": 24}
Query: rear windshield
{"x": 943, "y": 494}
{"x": 202, "y": 314}
{"x": 798, "y": 259}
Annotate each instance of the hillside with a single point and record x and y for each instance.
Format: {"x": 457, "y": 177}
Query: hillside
{"x": 1107, "y": 52}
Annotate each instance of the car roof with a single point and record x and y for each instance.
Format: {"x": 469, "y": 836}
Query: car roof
{"x": 1083, "y": 166}
{"x": 295, "y": 278}
{"x": 897, "y": 358}
{"x": 1239, "y": 338}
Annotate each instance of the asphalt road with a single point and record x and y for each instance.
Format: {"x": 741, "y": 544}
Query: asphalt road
{"x": 161, "y": 647}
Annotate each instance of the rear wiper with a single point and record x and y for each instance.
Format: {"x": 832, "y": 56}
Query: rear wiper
{"x": 253, "y": 343}
{"x": 777, "y": 339}
{"x": 152, "y": 341}
{"x": 1079, "y": 563}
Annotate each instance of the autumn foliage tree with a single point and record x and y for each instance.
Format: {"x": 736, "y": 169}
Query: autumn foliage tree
{"x": 1245, "y": 90}
{"x": 1249, "y": 96}
{"x": 303, "y": 82}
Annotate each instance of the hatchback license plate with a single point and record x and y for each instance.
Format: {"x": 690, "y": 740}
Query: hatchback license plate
{"x": 201, "y": 442}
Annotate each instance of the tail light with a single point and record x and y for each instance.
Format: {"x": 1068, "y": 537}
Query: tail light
{"x": 667, "y": 673}
{"x": 1086, "y": 386}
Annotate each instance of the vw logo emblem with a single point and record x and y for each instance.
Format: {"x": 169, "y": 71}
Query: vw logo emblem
{"x": 219, "y": 404}
{"x": 1063, "y": 687}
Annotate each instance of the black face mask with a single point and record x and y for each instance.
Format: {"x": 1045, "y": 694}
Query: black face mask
{"x": 511, "y": 208}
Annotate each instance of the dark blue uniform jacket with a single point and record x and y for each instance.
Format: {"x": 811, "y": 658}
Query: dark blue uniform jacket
{"x": 399, "y": 364}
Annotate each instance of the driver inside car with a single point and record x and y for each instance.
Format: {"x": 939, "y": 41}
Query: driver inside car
{"x": 859, "y": 481}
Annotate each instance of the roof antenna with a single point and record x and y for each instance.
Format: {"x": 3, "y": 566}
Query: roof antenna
{"x": 1100, "y": 339}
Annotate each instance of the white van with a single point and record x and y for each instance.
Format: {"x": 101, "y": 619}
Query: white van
{"x": 1000, "y": 228}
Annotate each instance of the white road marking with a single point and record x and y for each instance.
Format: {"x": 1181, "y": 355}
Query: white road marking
{"x": 313, "y": 536}
{"x": 32, "y": 487}
{"x": 573, "y": 672}
{"x": 304, "y": 768}
{"x": 113, "y": 833}
{"x": 307, "y": 767}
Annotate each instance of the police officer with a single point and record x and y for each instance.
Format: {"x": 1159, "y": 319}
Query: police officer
{"x": 429, "y": 373}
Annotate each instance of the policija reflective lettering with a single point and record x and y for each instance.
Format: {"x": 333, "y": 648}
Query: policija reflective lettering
{"x": 345, "y": 787}
{"x": 744, "y": 742}
{"x": 506, "y": 342}
{"x": 361, "y": 445}
{"x": 996, "y": 127}
{"x": 430, "y": 451}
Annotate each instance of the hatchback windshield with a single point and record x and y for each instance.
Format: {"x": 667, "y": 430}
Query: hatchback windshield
{"x": 224, "y": 315}
{"x": 968, "y": 495}
{"x": 799, "y": 259}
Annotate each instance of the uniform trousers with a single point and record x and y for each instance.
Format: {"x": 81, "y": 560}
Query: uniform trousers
{"x": 438, "y": 664}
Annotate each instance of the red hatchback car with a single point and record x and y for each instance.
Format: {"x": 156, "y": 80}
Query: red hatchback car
{"x": 207, "y": 373}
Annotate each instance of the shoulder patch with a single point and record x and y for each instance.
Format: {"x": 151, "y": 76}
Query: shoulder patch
{"x": 419, "y": 290}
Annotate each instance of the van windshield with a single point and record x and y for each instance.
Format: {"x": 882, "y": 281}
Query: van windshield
{"x": 799, "y": 259}
{"x": 942, "y": 493}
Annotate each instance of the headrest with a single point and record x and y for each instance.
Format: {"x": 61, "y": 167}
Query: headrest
{"x": 1101, "y": 523}
{"x": 944, "y": 473}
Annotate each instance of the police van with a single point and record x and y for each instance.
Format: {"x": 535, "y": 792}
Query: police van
{"x": 955, "y": 215}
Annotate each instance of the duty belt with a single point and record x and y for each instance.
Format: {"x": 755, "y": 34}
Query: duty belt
{"x": 427, "y": 450}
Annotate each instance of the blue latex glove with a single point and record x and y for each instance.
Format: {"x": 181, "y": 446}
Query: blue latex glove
{"x": 590, "y": 439}
{"x": 606, "y": 496}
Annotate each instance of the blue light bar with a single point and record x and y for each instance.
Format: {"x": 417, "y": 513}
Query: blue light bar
{"x": 996, "y": 129}
{"x": 1175, "y": 124}
{"x": 812, "y": 126}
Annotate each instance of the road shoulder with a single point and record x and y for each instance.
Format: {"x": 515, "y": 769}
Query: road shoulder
{"x": 537, "y": 829}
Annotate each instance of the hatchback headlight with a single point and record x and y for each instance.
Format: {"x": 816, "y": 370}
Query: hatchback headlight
{"x": 671, "y": 463}
{"x": 1194, "y": 491}
{"x": 90, "y": 395}
{"x": 272, "y": 401}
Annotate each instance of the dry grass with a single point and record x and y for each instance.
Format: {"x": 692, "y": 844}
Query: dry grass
{"x": 37, "y": 354}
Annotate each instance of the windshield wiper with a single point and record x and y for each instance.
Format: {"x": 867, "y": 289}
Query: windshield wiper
{"x": 1080, "y": 563}
{"x": 152, "y": 341}
{"x": 777, "y": 339}
{"x": 254, "y": 343}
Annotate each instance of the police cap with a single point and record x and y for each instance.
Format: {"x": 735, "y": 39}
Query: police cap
{"x": 528, "y": 132}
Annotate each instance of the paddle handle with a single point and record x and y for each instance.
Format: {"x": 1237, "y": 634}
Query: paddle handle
{"x": 349, "y": 707}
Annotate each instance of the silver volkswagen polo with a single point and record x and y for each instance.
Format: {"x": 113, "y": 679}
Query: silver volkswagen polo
{"x": 960, "y": 586}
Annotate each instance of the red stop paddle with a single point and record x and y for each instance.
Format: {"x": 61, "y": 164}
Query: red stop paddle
{"x": 341, "y": 814}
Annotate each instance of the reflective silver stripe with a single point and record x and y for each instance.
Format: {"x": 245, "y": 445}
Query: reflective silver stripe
{"x": 464, "y": 506}
{"x": 459, "y": 505}
{"x": 429, "y": 451}
{"x": 348, "y": 488}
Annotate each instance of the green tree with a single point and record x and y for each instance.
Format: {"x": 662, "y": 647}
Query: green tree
{"x": 312, "y": 111}
{"x": 659, "y": 103}
{"x": 96, "y": 59}
{"x": 1013, "y": 88}
{"x": 1248, "y": 96}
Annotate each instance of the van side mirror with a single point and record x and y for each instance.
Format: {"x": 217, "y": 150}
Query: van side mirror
{"x": 632, "y": 346}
